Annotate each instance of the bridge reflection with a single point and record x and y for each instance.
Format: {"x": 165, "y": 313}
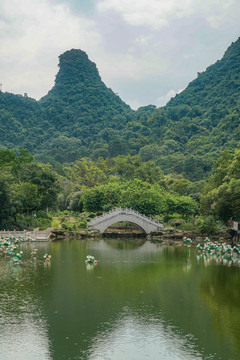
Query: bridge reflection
{"x": 125, "y": 244}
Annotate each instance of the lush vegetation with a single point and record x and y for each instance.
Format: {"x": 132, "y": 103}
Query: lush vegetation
{"x": 221, "y": 194}
{"x": 34, "y": 194}
{"x": 29, "y": 190}
{"x": 86, "y": 151}
{"x": 82, "y": 118}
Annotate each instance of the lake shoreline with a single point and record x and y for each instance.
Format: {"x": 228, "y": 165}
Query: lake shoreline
{"x": 164, "y": 235}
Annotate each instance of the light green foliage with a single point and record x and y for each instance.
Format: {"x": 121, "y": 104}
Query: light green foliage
{"x": 85, "y": 172}
{"x": 56, "y": 224}
{"x": 45, "y": 179}
{"x": 125, "y": 166}
{"x": 221, "y": 169}
{"x": 143, "y": 197}
{"x": 42, "y": 220}
{"x": 149, "y": 172}
{"x": 184, "y": 205}
{"x": 177, "y": 184}
{"x": 7, "y": 157}
{"x": 138, "y": 195}
{"x": 26, "y": 194}
{"x": 132, "y": 167}
{"x": 73, "y": 224}
{"x": 94, "y": 199}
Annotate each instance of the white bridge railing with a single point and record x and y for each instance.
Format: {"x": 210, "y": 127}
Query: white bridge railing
{"x": 125, "y": 211}
{"x": 40, "y": 235}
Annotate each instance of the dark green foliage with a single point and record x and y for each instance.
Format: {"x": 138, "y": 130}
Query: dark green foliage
{"x": 221, "y": 195}
{"x": 25, "y": 187}
{"x": 5, "y": 198}
{"x": 22, "y": 123}
{"x": 209, "y": 224}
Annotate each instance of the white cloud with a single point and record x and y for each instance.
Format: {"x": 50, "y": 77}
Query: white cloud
{"x": 214, "y": 21}
{"x": 188, "y": 56}
{"x": 134, "y": 103}
{"x": 153, "y": 13}
{"x": 159, "y": 13}
{"x": 219, "y": 12}
{"x": 150, "y": 45}
{"x": 162, "y": 100}
{"x": 143, "y": 40}
{"x": 33, "y": 34}
{"x": 131, "y": 66}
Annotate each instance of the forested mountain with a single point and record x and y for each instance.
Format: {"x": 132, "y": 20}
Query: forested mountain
{"x": 87, "y": 115}
{"x": 81, "y": 117}
{"x": 201, "y": 121}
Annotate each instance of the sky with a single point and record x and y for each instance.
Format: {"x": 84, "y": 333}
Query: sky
{"x": 146, "y": 51}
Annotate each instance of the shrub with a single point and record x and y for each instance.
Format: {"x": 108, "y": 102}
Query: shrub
{"x": 56, "y": 224}
{"x": 209, "y": 224}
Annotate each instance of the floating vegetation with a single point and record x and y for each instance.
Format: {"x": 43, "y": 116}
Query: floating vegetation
{"x": 187, "y": 240}
{"x": 47, "y": 258}
{"x": 220, "y": 253}
{"x": 91, "y": 260}
{"x": 9, "y": 247}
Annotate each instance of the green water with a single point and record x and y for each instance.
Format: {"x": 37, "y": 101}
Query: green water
{"x": 141, "y": 301}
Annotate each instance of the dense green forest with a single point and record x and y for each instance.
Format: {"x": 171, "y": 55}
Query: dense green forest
{"x": 82, "y": 149}
{"x": 31, "y": 191}
{"x": 81, "y": 117}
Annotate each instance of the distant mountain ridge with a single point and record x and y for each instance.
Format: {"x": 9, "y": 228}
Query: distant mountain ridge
{"x": 81, "y": 117}
{"x": 220, "y": 79}
{"x": 201, "y": 121}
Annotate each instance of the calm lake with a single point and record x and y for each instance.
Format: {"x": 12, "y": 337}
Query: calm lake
{"x": 141, "y": 301}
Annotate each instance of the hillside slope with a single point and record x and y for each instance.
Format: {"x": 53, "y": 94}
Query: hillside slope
{"x": 22, "y": 123}
{"x": 201, "y": 121}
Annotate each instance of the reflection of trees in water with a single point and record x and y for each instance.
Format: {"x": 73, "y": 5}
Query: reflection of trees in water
{"x": 219, "y": 289}
{"x": 151, "y": 281}
{"x": 125, "y": 244}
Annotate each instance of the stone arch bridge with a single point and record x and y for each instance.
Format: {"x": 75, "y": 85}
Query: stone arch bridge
{"x": 101, "y": 223}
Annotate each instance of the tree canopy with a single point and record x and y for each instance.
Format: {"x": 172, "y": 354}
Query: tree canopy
{"x": 81, "y": 118}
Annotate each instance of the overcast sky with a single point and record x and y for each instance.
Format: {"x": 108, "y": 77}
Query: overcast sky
{"x": 145, "y": 50}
